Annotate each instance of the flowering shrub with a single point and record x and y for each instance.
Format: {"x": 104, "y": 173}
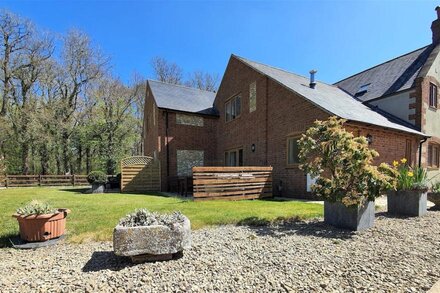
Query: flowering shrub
{"x": 342, "y": 164}
{"x": 410, "y": 178}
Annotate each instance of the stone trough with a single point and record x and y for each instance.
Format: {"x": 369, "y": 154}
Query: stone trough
{"x": 152, "y": 243}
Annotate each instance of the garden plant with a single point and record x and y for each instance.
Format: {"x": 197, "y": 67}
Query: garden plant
{"x": 97, "y": 179}
{"x": 410, "y": 197}
{"x": 151, "y": 236}
{"x": 38, "y": 221}
{"x": 345, "y": 175}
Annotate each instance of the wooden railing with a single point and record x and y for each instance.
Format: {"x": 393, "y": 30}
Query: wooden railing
{"x": 42, "y": 180}
{"x": 232, "y": 183}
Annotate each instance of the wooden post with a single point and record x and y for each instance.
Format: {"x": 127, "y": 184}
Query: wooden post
{"x": 73, "y": 179}
{"x": 6, "y": 181}
{"x": 39, "y": 180}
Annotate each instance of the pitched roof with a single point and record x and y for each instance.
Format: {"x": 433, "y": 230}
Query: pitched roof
{"x": 387, "y": 78}
{"x": 327, "y": 97}
{"x": 182, "y": 98}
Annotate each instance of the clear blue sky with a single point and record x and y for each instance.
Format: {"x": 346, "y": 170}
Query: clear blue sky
{"x": 339, "y": 38}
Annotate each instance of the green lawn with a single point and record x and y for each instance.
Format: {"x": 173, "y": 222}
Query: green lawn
{"x": 94, "y": 216}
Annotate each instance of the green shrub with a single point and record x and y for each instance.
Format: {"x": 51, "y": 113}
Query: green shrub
{"x": 36, "y": 207}
{"x": 97, "y": 177}
{"x": 435, "y": 187}
{"x": 342, "y": 164}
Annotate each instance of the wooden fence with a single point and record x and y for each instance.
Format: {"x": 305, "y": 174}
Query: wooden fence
{"x": 232, "y": 183}
{"x": 42, "y": 180}
{"x": 140, "y": 173}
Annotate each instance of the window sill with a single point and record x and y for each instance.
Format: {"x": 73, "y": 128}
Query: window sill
{"x": 431, "y": 168}
{"x": 293, "y": 166}
{"x": 433, "y": 108}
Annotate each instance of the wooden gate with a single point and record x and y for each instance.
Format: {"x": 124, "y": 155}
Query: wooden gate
{"x": 140, "y": 173}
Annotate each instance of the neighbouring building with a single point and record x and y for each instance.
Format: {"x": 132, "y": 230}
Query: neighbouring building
{"x": 260, "y": 111}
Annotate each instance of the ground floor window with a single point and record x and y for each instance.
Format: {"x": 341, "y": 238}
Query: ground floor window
{"x": 234, "y": 157}
{"x": 292, "y": 150}
{"x": 186, "y": 159}
{"x": 433, "y": 155}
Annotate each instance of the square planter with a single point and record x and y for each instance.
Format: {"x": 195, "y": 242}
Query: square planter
{"x": 355, "y": 218}
{"x": 151, "y": 243}
{"x": 434, "y": 197}
{"x": 411, "y": 203}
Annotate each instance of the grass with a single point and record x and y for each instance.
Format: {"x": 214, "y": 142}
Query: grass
{"x": 94, "y": 216}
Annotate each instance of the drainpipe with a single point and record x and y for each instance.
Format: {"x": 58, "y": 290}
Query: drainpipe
{"x": 420, "y": 150}
{"x": 168, "y": 147}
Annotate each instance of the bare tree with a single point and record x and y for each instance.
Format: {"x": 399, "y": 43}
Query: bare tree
{"x": 81, "y": 65}
{"x": 203, "y": 81}
{"x": 166, "y": 71}
{"x": 29, "y": 68}
{"x": 15, "y": 33}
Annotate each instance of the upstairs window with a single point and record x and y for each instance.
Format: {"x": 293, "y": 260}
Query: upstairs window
{"x": 433, "y": 96}
{"x": 253, "y": 97}
{"x": 233, "y": 108}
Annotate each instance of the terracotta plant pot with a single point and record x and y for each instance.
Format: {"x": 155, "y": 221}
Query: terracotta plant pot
{"x": 37, "y": 228}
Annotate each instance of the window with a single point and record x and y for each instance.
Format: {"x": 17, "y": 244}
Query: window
{"x": 234, "y": 158}
{"x": 408, "y": 151}
{"x": 433, "y": 96}
{"x": 433, "y": 156}
{"x": 191, "y": 120}
{"x": 292, "y": 150}
{"x": 253, "y": 97}
{"x": 233, "y": 108}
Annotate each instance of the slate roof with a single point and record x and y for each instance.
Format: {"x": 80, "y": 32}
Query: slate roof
{"x": 182, "y": 98}
{"x": 328, "y": 97}
{"x": 387, "y": 78}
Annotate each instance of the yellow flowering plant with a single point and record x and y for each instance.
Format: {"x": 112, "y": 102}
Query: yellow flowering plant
{"x": 342, "y": 164}
{"x": 410, "y": 178}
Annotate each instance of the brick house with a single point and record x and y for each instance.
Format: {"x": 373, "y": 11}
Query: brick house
{"x": 260, "y": 111}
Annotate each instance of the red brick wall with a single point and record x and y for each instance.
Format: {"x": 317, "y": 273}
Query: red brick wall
{"x": 288, "y": 115}
{"x": 186, "y": 137}
{"x": 248, "y": 128}
{"x": 279, "y": 115}
{"x": 180, "y": 137}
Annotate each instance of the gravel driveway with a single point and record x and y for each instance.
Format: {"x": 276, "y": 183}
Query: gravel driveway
{"x": 397, "y": 255}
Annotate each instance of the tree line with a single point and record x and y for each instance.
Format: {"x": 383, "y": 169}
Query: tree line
{"x": 62, "y": 111}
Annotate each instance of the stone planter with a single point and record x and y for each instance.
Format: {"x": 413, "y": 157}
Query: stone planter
{"x": 411, "y": 203}
{"x": 434, "y": 197}
{"x": 97, "y": 188}
{"x": 151, "y": 243}
{"x": 37, "y": 228}
{"x": 355, "y": 218}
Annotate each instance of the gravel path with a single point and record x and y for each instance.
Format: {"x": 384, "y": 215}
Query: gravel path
{"x": 397, "y": 255}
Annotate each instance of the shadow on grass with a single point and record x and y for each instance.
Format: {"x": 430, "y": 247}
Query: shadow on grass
{"x": 4, "y": 240}
{"x": 282, "y": 227}
{"x": 75, "y": 190}
{"x": 106, "y": 260}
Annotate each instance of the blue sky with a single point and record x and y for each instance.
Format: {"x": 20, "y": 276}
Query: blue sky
{"x": 339, "y": 38}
